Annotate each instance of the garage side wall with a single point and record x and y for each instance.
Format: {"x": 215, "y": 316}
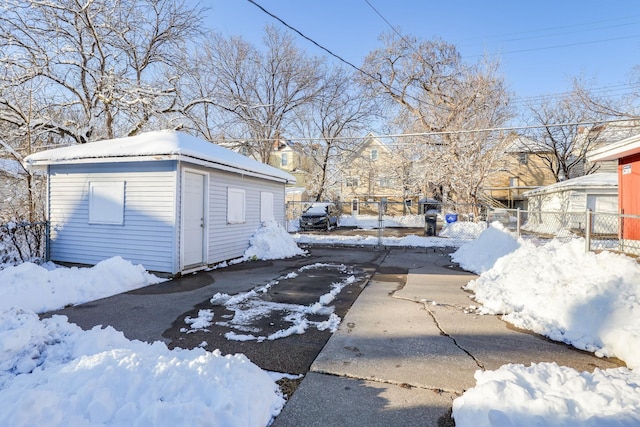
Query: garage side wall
{"x": 230, "y": 240}
{"x": 147, "y": 233}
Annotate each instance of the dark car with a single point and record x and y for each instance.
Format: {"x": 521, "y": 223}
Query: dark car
{"x": 319, "y": 216}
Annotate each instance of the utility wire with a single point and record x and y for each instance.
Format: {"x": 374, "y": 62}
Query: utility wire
{"x": 338, "y": 57}
{"x": 533, "y": 49}
{"x": 451, "y": 132}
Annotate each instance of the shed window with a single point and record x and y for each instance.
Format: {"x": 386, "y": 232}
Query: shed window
{"x": 106, "y": 203}
{"x": 266, "y": 206}
{"x": 235, "y": 206}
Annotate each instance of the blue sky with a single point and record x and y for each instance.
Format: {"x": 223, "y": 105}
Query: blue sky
{"x": 541, "y": 43}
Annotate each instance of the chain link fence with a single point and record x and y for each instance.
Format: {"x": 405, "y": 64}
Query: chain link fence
{"x": 22, "y": 242}
{"x": 601, "y": 230}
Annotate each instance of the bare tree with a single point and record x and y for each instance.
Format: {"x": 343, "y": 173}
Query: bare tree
{"x": 337, "y": 114}
{"x": 439, "y": 94}
{"x": 99, "y": 64}
{"x": 260, "y": 90}
{"x": 561, "y": 140}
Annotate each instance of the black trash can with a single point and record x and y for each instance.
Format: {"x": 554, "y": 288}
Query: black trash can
{"x": 430, "y": 223}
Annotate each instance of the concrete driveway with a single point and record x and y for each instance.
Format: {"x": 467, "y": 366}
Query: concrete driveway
{"x": 408, "y": 343}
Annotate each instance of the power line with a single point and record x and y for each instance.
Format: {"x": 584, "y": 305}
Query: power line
{"x": 338, "y": 57}
{"x": 533, "y": 49}
{"x": 451, "y": 132}
{"x": 584, "y": 25}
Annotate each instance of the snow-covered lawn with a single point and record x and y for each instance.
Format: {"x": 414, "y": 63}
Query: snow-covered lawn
{"x": 588, "y": 300}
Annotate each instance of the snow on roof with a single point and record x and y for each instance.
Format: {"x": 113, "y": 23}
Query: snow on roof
{"x": 522, "y": 144}
{"x": 151, "y": 145}
{"x": 596, "y": 180}
{"x": 617, "y": 150}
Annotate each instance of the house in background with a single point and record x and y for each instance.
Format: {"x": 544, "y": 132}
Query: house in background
{"x": 369, "y": 176}
{"x": 627, "y": 155}
{"x": 521, "y": 169}
{"x": 288, "y": 157}
{"x": 598, "y": 137}
{"x": 166, "y": 200}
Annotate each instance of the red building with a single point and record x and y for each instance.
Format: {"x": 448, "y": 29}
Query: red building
{"x": 627, "y": 153}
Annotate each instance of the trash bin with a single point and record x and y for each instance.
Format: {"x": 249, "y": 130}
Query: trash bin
{"x": 430, "y": 223}
{"x": 451, "y": 217}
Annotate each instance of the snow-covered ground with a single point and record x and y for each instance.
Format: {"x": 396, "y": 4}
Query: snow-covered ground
{"x": 53, "y": 373}
{"x": 588, "y": 300}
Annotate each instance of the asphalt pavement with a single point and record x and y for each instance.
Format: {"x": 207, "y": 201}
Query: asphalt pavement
{"x": 407, "y": 346}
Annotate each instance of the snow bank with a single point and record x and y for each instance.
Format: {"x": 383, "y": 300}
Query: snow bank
{"x": 53, "y": 373}
{"x": 44, "y": 288}
{"x": 588, "y": 300}
{"x": 482, "y": 253}
{"x": 546, "y": 394}
{"x": 463, "y": 230}
{"x": 271, "y": 241}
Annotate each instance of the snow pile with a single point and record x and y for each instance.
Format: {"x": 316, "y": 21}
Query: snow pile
{"x": 44, "y": 288}
{"x": 271, "y": 241}
{"x": 588, "y": 300}
{"x": 482, "y": 253}
{"x": 463, "y": 230}
{"x": 546, "y": 394}
{"x": 53, "y": 373}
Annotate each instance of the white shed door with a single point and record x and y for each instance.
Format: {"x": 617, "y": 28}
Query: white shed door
{"x": 193, "y": 219}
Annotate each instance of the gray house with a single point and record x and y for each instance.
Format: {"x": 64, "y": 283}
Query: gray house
{"x": 165, "y": 199}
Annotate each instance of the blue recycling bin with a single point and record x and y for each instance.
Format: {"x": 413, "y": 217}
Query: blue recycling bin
{"x": 451, "y": 218}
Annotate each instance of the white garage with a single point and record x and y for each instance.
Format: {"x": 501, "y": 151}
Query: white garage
{"x": 165, "y": 199}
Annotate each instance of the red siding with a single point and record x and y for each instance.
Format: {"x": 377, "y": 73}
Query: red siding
{"x": 629, "y": 198}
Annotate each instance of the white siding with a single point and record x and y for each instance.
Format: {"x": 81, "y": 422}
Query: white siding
{"x": 228, "y": 241}
{"x": 148, "y": 235}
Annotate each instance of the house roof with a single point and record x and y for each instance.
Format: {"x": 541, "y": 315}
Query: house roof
{"x": 159, "y": 145}
{"x": 522, "y": 144}
{"x": 617, "y": 150}
{"x": 593, "y": 181}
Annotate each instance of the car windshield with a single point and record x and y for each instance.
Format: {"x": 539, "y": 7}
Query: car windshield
{"x": 317, "y": 209}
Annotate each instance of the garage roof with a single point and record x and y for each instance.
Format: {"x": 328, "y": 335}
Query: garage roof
{"x": 159, "y": 145}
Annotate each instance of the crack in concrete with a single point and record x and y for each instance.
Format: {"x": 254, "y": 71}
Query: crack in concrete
{"x": 445, "y": 334}
{"x": 425, "y": 304}
{"x": 455, "y": 393}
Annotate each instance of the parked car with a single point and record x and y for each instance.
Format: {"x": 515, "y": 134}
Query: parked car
{"x": 319, "y": 216}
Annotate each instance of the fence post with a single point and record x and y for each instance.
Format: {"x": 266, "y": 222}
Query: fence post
{"x": 587, "y": 231}
{"x": 518, "y": 221}
{"x": 380, "y": 223}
